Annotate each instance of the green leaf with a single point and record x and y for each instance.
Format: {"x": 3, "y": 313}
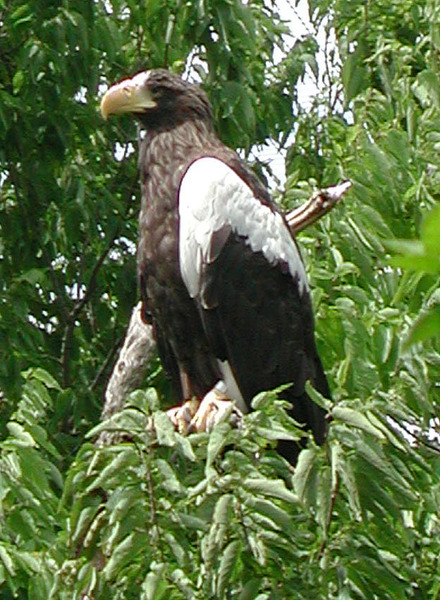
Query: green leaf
{"x": 324, "y": 499}
{"x": 228, "y": 561}
{"x": 222, "y": 510}
{"x": 217, "y": 441}
{"x": 401, "y": 487}
{"x": 183, "y": 583}
{"x": 123, "y": 460}
{"x": 165, "y": 432}
{"x": 280, "y": 518}
{"x": 125, "y": 553}
{"x": 425, "y": 327}
{"x": 430, "y": 234}
{"x": 185, "y": 447}
{"x": 82, "y": 524}
{"x": 192, "y": 522}
{"x": 21, "y": 15}
{"x": 39, "y": 434}
{"x": 176, "y": 548}
{"x": 356, "y": 419}
{"x": 275, "y": 488}
{"x": 17, "y": 81}
{"x": 304, "y": 470}
{"x": 250, "y": 590}
{"x": 152, "y": 580}
{"x": 20, "y": 435}
{"x": 317, "y": 397}
{"x": 353, "y": 75}
{"x": 7, "y": 560}
{"x": 258, "y": 548}
{"x": 168, "y": 477}
{"x": 427, "y": 89}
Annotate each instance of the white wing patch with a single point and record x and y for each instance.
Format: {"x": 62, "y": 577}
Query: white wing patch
{"x": 231, "y": 386}
{"x": 213, "y": 196}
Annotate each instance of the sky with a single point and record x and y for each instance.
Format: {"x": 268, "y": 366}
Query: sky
{"x": 296, "y": 15}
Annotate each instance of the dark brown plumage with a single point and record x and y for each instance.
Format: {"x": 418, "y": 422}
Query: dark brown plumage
{"x": 220, "y": 276}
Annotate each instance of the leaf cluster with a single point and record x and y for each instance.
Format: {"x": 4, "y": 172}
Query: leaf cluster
{"x": 159, "y": 515}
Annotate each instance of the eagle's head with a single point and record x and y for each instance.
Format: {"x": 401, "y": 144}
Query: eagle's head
{"x": 158, "y": 99}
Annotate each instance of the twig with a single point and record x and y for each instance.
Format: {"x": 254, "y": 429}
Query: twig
{"x": 105, "y": 365}
{"x": 416, "y": 435}
{"x": 319, "y": 204}
{"x": 77, "y": 309}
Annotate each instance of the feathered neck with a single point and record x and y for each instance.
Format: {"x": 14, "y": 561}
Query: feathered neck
{"x": 182, "y": 142}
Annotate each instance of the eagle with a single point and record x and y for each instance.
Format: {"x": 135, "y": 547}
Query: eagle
{"x": 221, "y": 277}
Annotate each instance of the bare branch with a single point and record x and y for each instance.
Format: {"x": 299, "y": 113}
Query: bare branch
{"x": 106, "y": 364}
{"x": 78, "y": 307}
{"x": 319, "y": 204}
{"x": 132, "y": 363}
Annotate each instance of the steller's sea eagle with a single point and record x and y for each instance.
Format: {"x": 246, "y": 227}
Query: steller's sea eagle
{"x": 221, "y": 277}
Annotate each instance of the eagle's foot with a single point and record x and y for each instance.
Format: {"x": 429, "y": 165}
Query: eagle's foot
{"x": 195, "y": 416}
{"x": 215, "y": 408}
{"x": 182, "y": 416}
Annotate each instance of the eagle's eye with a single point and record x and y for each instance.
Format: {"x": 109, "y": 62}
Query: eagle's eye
{"x": 163, "y": 90}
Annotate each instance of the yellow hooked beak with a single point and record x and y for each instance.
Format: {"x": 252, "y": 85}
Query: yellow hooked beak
{"x": 130, "y": 95}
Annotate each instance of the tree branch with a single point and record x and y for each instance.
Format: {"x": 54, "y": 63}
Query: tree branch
{"x": 131, "y": 365}
{"x": 77, "y": 309}
{"x": 319, "y": 205}
{"x": 80, "y": 304}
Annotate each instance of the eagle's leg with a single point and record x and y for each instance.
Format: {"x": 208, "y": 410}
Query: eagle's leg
{"x": 181, "y": 416}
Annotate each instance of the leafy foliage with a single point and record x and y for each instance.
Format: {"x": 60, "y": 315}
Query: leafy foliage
{"x": 158, "y": 515}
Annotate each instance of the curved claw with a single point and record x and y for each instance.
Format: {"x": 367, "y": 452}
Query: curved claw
{"x": 182, "y": 416}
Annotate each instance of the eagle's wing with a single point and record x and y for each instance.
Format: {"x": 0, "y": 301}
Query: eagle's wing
{"x": 241, "y": 265}
{"x": 214, "y": 200}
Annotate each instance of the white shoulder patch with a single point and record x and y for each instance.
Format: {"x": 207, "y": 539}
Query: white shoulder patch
{"x": 212, "y": 196}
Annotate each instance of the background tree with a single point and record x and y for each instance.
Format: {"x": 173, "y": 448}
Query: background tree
{"x": 170, "y": 517}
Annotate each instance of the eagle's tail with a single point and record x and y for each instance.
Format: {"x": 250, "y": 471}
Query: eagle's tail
{"x": 307, "y": 413}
